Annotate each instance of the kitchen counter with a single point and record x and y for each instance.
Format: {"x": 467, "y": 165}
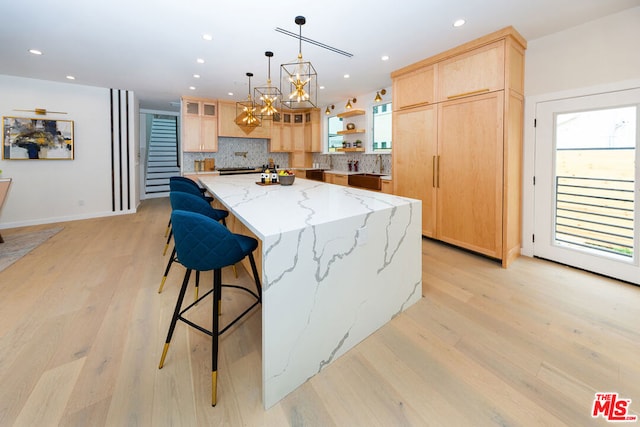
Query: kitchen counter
{"x": 337, "y": 264}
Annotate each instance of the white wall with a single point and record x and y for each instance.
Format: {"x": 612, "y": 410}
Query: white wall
{"x": 45, "y": 191}
{"x": 597, "y": 56}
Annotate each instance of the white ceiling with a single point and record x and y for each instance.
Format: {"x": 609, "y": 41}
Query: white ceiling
{"x": 151, "y": 47}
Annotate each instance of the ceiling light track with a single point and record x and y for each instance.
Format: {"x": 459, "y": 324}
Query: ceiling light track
{"x": 313, "y": 42}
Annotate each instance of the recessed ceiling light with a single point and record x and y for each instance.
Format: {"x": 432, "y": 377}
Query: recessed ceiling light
{"x": 385, "y": 57}
{"x": 71, "y": 78}
{"x": 321, "y": 87}
{"x": 459, "y": 23}
{"x": 230, "y": 93}
{"x": 346, "y": 76}
{"x": 200, "y": 61}
{"x": 192, "y": 88}
{"x": 196, "y": 76}
{"x": 35, "y": 51}
{"x": 207, "y": 37}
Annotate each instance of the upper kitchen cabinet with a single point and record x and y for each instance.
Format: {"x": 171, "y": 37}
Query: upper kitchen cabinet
{"x": 414, "y": 88}
{"x": 228, "y": 127}
{"x": 478, "y": 71}
{"x": 297, "y": 132}
{"x": 199, "y": 125}
{"x": 314, "y": 124}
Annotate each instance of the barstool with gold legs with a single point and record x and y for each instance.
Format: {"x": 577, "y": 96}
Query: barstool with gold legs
{"x": 192, "y": 203}
{"x": 186, "y": 185}
{"x": 204, "y": 244}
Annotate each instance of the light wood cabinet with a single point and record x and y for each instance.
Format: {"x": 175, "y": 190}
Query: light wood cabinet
{"x": 280, "y": 140}
{"x": 462, "y": 155}
{"x": 414, "y": 160}
{"x": 199, "y": 125}
{"x": 315, "y": 136}
{"x": 336, "y": 178}
{"x": 478, "y": 71}
{"x": 299, "y": 133}
{"x": 414, "y": 88}
{"x": 387, "y": 186}
{"x": 227, "y": 126}
{"x": 469, "y": 175}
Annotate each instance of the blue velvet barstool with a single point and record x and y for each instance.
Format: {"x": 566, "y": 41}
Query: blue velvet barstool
{"x": 204, "y": 244}
{"x": 192, "y": 203}
{"x": 186, "y": 185}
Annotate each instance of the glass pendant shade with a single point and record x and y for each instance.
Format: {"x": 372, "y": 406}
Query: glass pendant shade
{"x": 247, "y": 111}
{"x": 267, "y": 98}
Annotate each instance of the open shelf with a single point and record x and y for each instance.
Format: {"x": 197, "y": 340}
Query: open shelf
{"x": 351, "y": 113}
{"x": 350, "y": 149}
{"x": 347, "y": 131}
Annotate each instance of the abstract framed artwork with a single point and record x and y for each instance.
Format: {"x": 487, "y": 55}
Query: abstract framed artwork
{"x": 37, "y": 139}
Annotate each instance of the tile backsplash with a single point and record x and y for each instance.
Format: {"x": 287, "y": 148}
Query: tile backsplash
{"x": 366, "y": 162}
{"x": 231, "y": 154}
{"x": 253, "y": 152}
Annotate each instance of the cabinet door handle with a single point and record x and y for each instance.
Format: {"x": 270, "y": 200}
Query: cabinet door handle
{"x": 433, "y": 174}
{"x": 473, "y": 92}
{"x": 419, "y": 104}
{"x": 438, "y": 164}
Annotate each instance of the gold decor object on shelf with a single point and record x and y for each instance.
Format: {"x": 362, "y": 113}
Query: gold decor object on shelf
{"x": 246, "y": 114}
{"x": 299, "y": 79}
{"x": 267, "y": 97}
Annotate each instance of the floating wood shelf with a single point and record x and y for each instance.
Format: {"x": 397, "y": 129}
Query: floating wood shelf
{"x": 347, "y": 131}
{"x": 350, "y": 149}
{"x": 351, "y": 113}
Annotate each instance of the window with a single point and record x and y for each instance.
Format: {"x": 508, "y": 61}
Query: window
{"x": 382, "y": 127}
{"x": 335, "y": 140}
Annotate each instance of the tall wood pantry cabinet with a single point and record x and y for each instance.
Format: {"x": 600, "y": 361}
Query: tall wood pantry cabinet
{"x": 457, "y": 142}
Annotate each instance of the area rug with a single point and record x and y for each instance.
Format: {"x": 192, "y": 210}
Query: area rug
{"x": 16, "y": 246}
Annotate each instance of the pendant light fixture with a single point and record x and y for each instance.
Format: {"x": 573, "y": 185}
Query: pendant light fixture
{"x": 299, "y": 80}
{"x": 267, "y": 97}
{"x": 378, "y": 98}
{"x": 328, "y": 111}
{"x": 246, "y": 114}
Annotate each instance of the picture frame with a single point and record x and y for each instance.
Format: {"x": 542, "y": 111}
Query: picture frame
{"x": 26, "y": 138}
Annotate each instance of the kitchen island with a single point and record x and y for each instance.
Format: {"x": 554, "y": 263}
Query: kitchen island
{"x": 337, "y": 263}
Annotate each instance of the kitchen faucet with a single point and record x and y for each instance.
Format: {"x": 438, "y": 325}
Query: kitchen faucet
{"x": 379, "y": 160}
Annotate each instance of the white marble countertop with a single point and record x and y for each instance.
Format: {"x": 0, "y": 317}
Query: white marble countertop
{"x": 273, "y": 209}
{"x": 337, "y": 263}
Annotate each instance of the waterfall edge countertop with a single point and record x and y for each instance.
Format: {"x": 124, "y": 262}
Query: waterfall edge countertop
{"x": 337, "y": 264}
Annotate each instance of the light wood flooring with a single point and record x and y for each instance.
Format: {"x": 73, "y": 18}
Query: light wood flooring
{"x": 82, "y": 328}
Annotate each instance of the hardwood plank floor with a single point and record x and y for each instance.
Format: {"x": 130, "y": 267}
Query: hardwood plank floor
{"x": 82, "y": 328}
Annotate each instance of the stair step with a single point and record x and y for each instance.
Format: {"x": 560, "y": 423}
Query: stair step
{"x": 162, "y": 175}
{"x": 162, "y": 156}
